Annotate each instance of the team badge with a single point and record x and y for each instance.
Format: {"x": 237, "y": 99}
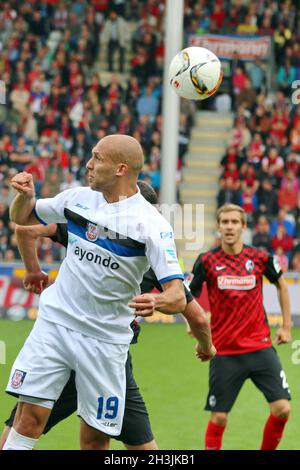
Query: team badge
{"x": 92, "y": 232}
{"x": 249, "y": 265}
{"x": 18, "y": 378}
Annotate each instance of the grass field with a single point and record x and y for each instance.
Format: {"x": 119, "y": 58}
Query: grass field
{"x": 174, "y": 385}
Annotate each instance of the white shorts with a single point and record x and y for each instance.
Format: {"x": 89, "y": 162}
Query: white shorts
{"x": 43, "y": 367}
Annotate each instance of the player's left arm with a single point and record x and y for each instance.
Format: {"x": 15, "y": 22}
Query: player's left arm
{"x": 275, "y": 276}
{"x": 162, "y": 257}
{"x": 283, "y": 334}
{"x": 35, "y": 279}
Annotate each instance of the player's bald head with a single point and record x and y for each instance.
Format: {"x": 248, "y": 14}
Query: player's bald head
{"x": 122, "y": 149}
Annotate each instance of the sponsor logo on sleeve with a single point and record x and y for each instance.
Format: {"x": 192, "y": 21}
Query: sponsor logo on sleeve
{"x": 18, "y": 378}
{"x": 164, "y": 235}
{"x": 236, "y": 282}
{"x": 171, "y": 256}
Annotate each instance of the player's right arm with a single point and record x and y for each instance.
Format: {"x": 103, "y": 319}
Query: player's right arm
{"x": 35, "y": 279}
{"x": 25, "y": 210}
{"x": 21, "y": 209}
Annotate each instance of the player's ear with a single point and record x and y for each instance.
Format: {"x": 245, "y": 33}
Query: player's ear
{"x": 122, "y": 169}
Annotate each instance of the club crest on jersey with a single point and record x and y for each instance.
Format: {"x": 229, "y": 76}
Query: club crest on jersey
{"x": 91, "y": 232}
{"x": 18, "y": 378}
{"x": 249, "y": 265}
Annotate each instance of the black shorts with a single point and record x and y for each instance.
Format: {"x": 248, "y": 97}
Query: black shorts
{"x": 227, "y": 375}
{"x": 136, "y": 428}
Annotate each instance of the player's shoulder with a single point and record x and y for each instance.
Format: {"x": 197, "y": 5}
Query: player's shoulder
{"x": 211, "y": 254}
{"x": 155, "y": 219}
{"x": 207, "y": 257}
{"x": 84, "y": 197}
{"x": 256, "y": 253}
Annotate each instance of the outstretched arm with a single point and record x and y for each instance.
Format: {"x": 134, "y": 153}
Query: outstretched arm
{"x": 283, "y": 334}
{"x": 35, "y": 280}
{"x": 23, "y": 204}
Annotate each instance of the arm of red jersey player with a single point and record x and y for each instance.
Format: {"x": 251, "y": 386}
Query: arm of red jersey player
{"x": 35, "y": 280}
{"x": 21, "y": 208}
{"x": 283, "y": 334}
{"x": 171, "y": 300}
{"x": 200, "y": 329}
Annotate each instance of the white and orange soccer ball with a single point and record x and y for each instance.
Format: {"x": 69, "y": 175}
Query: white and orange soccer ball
{"x": 195, "y": 73}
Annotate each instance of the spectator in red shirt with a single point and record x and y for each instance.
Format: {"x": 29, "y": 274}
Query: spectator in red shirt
{"x": 283, "y": 240}
{"x": 288, "y": 197}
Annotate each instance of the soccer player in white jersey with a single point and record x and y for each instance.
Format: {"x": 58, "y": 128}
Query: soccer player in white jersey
{"x": 84, "y": 317}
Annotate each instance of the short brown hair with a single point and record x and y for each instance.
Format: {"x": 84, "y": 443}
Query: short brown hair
{"x": 231, "y": 208}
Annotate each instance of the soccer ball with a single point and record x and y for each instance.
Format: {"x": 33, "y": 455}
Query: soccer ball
{"x": 195, "y": 73}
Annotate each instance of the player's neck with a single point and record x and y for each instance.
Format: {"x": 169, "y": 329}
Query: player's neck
{"x": 234, "y": 249}
{"x": 118, "y": 194}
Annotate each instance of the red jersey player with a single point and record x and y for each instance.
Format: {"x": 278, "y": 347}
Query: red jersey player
{"x": 240, "y": 331}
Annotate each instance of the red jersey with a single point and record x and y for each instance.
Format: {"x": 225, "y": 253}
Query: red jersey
{"x": 234, "y": 283}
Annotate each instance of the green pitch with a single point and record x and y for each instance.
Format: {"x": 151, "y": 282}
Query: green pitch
{"x": 174, "y": 385}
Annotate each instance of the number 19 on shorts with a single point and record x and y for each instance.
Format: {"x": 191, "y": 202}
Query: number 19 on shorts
{"x": 107, "y": 409}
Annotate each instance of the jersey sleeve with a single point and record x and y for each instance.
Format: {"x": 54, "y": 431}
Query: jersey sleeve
{"x": 61, "y": 235}
{"x": 161, "y": 252}
{"x": 51, "y": 210}
{"x": 199, "y": 276}
{"x": 272, "y": 270}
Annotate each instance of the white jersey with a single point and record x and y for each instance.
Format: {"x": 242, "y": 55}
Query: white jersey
{"x": 110, "y": 247}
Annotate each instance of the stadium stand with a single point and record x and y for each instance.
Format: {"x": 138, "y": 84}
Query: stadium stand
{"x": 76, "y": 71}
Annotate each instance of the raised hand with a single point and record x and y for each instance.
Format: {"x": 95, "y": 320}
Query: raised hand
{"x": 23, "y": 183}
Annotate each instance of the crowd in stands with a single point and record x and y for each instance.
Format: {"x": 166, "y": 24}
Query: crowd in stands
{"x": 60, "y": 102}
{"x": 60, "y": 98}
{"x": 261, "y": 167}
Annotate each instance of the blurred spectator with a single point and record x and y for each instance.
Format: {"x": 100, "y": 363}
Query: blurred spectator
{"x": 115, "y": 36}
{"x": 261, "y": 236}
{"x": 286, "y": 76}
{"x": 295, "y": 262}
{"x": 249, "y": 203}
{"x": 267, "y": 198}
{"x": 147, "y": 104}
{"x": 282, "y": 221}
{"x": 69, "y": 183}
{"x": 273, "y": 165}
{"x": 282, "y": 240}
{"x": 257, "y": 75}
{"x": 228, "y": 194}
{"x": 288, "y": 198}
{"x": 295, "y": 138}
{"x": 247, "y": 95}
{"x": 282, "y": 259}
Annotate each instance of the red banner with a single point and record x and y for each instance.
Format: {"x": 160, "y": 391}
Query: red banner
{"x": 225, "y": 47}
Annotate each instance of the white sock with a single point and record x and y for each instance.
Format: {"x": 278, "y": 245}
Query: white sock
{"x": 16, "y": 441}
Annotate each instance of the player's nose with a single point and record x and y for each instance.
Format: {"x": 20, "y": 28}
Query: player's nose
{"x": 89, "y": 165}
